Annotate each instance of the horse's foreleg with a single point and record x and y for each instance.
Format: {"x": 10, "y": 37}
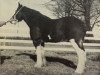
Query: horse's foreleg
{"x": 81, "y": 57}
{"x": 43, "y": 57}
{"x": 39, "y": 62}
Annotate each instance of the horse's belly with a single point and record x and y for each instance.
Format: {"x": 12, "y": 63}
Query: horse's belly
{"x": 58, "y": 38}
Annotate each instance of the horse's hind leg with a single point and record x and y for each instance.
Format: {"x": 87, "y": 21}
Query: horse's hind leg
{"x": 81, "y": 55}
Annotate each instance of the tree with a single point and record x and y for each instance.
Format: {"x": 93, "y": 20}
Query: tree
{"x": 85, "y": 10}
{"x": 95, "y": 13}
{"x": 61, "y": 8}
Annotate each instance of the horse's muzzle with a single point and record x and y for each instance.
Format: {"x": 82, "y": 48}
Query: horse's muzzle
{"x": 13, "y": 21}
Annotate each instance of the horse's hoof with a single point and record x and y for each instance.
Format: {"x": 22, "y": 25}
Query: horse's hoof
{"x": 38, "y": 65}
{"x": 44, "y": 64}
{"x": 76, "y": 74}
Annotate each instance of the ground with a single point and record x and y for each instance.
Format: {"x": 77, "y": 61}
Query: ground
{"x": 58, "y": 63}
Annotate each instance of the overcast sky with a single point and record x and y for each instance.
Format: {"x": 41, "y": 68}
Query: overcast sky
{"x": 8, "y": 7}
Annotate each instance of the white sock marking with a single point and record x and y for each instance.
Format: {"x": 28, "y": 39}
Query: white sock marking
{"x": 81, "y": 57}
{"x": 43, "y": 56}
{"x": 39, "y": 56}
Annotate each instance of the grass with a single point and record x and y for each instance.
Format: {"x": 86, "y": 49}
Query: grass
{"x": 58, "y": 63}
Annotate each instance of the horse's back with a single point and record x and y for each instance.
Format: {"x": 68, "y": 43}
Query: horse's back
{"x": 67, "y": 28}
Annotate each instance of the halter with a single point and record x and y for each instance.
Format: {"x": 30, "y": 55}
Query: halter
{"x": 17, "y": 12}
{"x": 13, "y": 18}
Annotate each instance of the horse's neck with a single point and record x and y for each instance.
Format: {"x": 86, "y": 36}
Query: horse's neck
{"x": 33, "y": 20}
{"x": 27, "y": 19}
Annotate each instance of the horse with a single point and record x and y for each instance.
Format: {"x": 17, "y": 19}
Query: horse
{"x": 44, "y": 29}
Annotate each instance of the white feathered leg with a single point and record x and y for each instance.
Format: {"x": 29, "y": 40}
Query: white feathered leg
{"x": 81, "y": 57}
{"x": 39, "y": 62}
{"x": 43, "y": 57}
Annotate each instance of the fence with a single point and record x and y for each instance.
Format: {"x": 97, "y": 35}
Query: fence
{"x": 11, "y": 39}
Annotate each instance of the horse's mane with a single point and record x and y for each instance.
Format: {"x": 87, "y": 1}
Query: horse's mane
{"x": 33, "y": 12}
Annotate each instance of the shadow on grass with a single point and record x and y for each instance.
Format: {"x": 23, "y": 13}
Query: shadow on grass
{"x": 53, "y": 59}
{"x": 3, "y": 58}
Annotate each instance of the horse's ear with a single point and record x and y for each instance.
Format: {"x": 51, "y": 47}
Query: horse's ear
{"x": 19, "y": 4}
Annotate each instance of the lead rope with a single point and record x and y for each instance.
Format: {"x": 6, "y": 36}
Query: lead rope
{"x": 10, "y": 20}
{"x": 4, "y": 42}
{"x": 13, "y": 19}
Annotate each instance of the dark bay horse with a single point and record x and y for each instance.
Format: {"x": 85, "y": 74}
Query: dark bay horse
{"x": 60, "y": 30}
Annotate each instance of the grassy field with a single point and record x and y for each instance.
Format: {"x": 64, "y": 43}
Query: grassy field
{"x": 58, "y": 63}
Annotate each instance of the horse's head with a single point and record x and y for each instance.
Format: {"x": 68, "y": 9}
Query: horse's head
{"x": 18, "y": 16}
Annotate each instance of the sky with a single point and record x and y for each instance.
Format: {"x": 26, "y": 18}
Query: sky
{"x": 8, "y": 7}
